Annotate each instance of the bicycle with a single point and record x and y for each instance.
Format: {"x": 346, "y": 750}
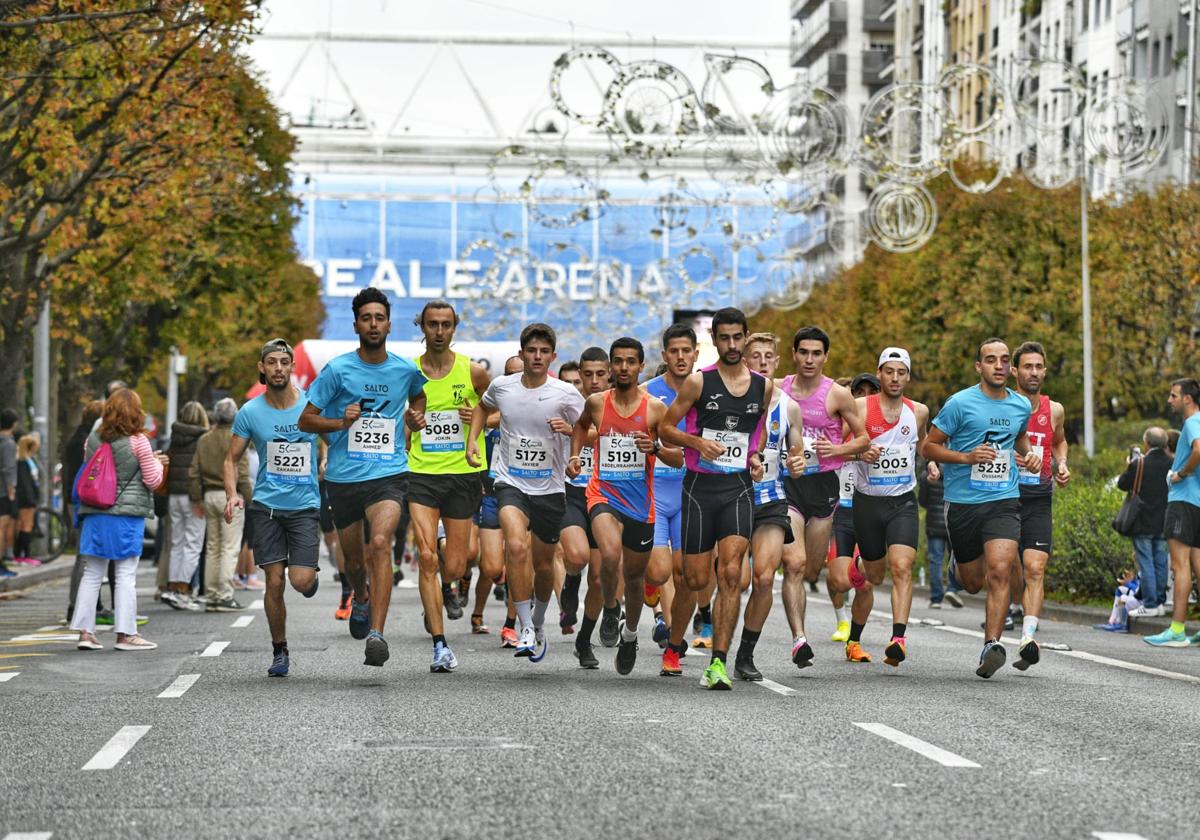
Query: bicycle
{"x": 50, "y": 528}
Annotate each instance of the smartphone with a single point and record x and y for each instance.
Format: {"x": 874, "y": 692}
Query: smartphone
{"x": 1135, "y": 451}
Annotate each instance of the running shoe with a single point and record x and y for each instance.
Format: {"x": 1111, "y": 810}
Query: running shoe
{"x": 855, "y": 653}
{"x": 444, "y": 660}
{"x": 704, "y": 637}
{"x": 744, "y": 670}
{"x": 1008, "y": 623}
{"x": 105, "y": 617}
{"x": 508, "y": 637}
{"x": 1027, "y": 654}
{"x": 376, "y": 649}
{"x": 715, "y": 678}
{"x": 697, "y": 623}
{"x": 842, "y": 633}
{"x": 88, "y": 641}
{"x": 566, "y": 623}
{"x": 935, "y": 605}
{"x": 1016, "y": 614}
{"x": 802, "y": 653}
{"x": 662, "y": 633}
{"x": 670, "y": 664}
{"x": 6, "y": 572}
{"x": 650, "y": 595}
{"x": 454, "y": 610}
{"x": 135, "y": 643}
{"x": 500, "y": 592}
{"x": 895, "y": 652}
{"x": 1147, "y": 612}
{"x": 1194, "y": 640}
{"x": 526, "y": 643}
{"x": 610, "y": 626}
{"x": 477, "y": 625}
{"x": 343, "y": 609}
{"x": 279, "y": 665}
{"x": 626, "y": 654}
{"x": 954, "y": 600}
{"x": 585, "y": 655}
{"x": 1112, "y": 627}
{"x": 223, "y": 605}
{"x": 991, "y": 659}
{"x": 1167, "y": 638}
{"x": 541, "y": 648}
{"x": 360, "y": 618}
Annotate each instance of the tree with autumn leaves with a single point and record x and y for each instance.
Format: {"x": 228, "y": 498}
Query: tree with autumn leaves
{"x": 144, "y": 188}
{"x": 1007, "y": 264}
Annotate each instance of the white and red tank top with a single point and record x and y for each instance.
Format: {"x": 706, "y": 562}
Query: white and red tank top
{"x": 894, "y": 472}
{"x": 1041, "y": 439}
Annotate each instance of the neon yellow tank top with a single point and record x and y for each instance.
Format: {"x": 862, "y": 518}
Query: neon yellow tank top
{"x": 440, "y": 448}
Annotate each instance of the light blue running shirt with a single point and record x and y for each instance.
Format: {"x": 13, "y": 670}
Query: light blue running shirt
{"x": 1187, "y": 490}
{"x": 374, "y": 446}
{"x": 287, "y": 457}
{"x": 970, "y": 418}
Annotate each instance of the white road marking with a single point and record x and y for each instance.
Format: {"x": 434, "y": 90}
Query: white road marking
{"x": 1116, "y": 835}
{"x": 116, "y": 748}
{"x": 46, "y": 637}
{"x": 5, "y": 677}
{"x": 182, "y": 683}
{"x": 215, "y": 649}
{"x": 776, "y": 687}
{"x": 941, "y": 756}
{"x": 29, "y": 835}
{"x": 242, "y": 621}
{"x": 1087, "y": 657}
{"x": 256, "y": 605}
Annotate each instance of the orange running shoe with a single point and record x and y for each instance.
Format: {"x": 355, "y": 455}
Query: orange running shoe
{"x": 855, "y": 653}
{"x": 670, "y": 664}
{"x": 895, "y": 652}
{"x": 508, "y": 637}
{"x": 650, "y": 596}
{"x": 343, "y": 609}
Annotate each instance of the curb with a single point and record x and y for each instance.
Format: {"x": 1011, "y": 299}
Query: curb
{"x": 59, "y": 569}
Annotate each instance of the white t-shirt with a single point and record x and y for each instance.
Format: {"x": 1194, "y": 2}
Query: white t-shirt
{"x": 529, "y": 455}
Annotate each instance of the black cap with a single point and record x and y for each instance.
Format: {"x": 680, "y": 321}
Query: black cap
{"x": 865, "y": 378}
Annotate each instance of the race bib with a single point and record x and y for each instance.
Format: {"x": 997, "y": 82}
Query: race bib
{"x": 812, "y": 462}
{"x": 1025, "y": 476}
{"x": 372, "y": 439}
{"x": 993, "y": 475}
{"x": 529, "y": 457}
{"x": 586, "y": 461}
{"x": 846, "y": 486}
{"x": 737, "y": 449}
{"x": 443, "y": 432}
{"x": 290, "y": 461}
{"x": 620, "y": 459}
{"x": 770, "y": 458}
{"x": 895, "y": 466}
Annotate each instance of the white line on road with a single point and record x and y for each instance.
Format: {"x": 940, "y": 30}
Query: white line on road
{"x": 1116, "y": 835}
{"x": 8, "y": 676}
{"x": 941, "y": 756}
{"x": 116, "y": 748}
{"x": 29, "y": 835}
{"x": 182, "y": 683}
{"x": 215, "y": 649}
{"x": 256, "y": 605}
{"x": 242, "y": 621}
{"x": 776, "y": 687}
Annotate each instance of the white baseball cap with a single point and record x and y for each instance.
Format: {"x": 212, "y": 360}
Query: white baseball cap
{"x": 895, "y": 354}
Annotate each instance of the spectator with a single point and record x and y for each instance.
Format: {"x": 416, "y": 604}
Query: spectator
{"x": 187, "y": 519}
{"x": 1149, "y": 545}
{"x": 1125, "y": 603}
{"x": 8, "y": 488}
{"x": 29, "y": 493}
{"x": 1172, "y": 442}
{"x": 930, "y": 494}
{"x": 208, "y": 489}
{"x": 116, "y": 533}
{"x": 72, "y": 461}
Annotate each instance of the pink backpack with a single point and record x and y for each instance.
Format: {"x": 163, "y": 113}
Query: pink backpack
{"x": 97, "y": 482}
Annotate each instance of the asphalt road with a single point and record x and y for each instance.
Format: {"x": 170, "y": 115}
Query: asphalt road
{"x": 1077, "y": 747}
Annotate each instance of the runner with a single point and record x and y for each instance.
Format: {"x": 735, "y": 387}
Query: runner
{"x": 724, "y": 405}
{"x": 887, "y": 520}
{"x": 491, "y": 540}
{"x": 772, "y": 528}
{"x": 530, "y": 465}
{"x": 441, "y": 484}
{"x": 1048, "y": 438}
{"x": 976, "y": 435}
{"x": 357, "y": 401}
{"x": 329, "y": 534}
{"x": 843, "y": 547}
{"x": 620, "y": 495}
{"x": 1182, "y": 523}
{"x": 286, "y": 502}
{"x": 828, "y": 408}
{"x": 579, "y": 547}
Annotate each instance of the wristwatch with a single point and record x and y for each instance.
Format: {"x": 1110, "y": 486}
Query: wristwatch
{"x": 657, "y": 446}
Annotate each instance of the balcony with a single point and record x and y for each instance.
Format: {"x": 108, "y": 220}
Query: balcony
{"x": 803, "y": 7}
{"x": 1141, "y": 15}
{"x": 877, "y": 67}
{"x": 879, "y": 15}
{"x": 829, "y": 71}
{"x": 818, "y": 33}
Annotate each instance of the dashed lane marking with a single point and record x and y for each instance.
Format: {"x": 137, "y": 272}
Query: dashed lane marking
{"x": 214, "y": 649}
{"x": 178, "y": 688}
{"x": 5, "y": 677}
{"x": 242, "y": 621}
{"x": 1116, "y": 835}
{"x": 771, "y": 685}
{"x": 118, "y": 747}
{"x": 29, "y": 835}
{"x": 924, "y": 748}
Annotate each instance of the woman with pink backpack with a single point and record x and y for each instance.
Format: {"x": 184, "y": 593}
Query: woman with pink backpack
{"x": 115, "y": 490}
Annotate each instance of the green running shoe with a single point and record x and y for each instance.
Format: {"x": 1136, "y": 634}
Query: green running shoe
{"x": 715, "y": 678}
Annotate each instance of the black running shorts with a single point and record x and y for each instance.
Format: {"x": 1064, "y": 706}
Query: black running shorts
{"x": 843, "y": 531}
{"x": 545, "y": 513}
{"x": 1037, "y": 523}
{"x": 715, "y": 506}
{"x": 455, "y": 496}
{"x": 813, "y": 496}
{"x": 576, "y": 515}
{"x": 775, "y": 513}
{"x": 1182, "y": 523}
{"x": 970, "y": 527}
{"x": 350, "y": 501}
{"x": 883, "y": 521}
{"x": 291, "y": 537}
{"x": 637, "y": 536}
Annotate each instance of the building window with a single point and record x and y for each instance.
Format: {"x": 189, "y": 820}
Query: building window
{"x": 995, "y": 36}
{"x": 1155, "y": 59}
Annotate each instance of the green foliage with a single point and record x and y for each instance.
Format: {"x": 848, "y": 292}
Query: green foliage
{"x": 1088, "y": 553}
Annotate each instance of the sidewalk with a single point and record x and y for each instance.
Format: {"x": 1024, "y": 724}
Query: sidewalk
{"x": 48, "y": 573}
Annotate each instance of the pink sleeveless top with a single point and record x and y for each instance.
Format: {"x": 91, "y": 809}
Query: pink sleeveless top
{"x": 817, "y": 422}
